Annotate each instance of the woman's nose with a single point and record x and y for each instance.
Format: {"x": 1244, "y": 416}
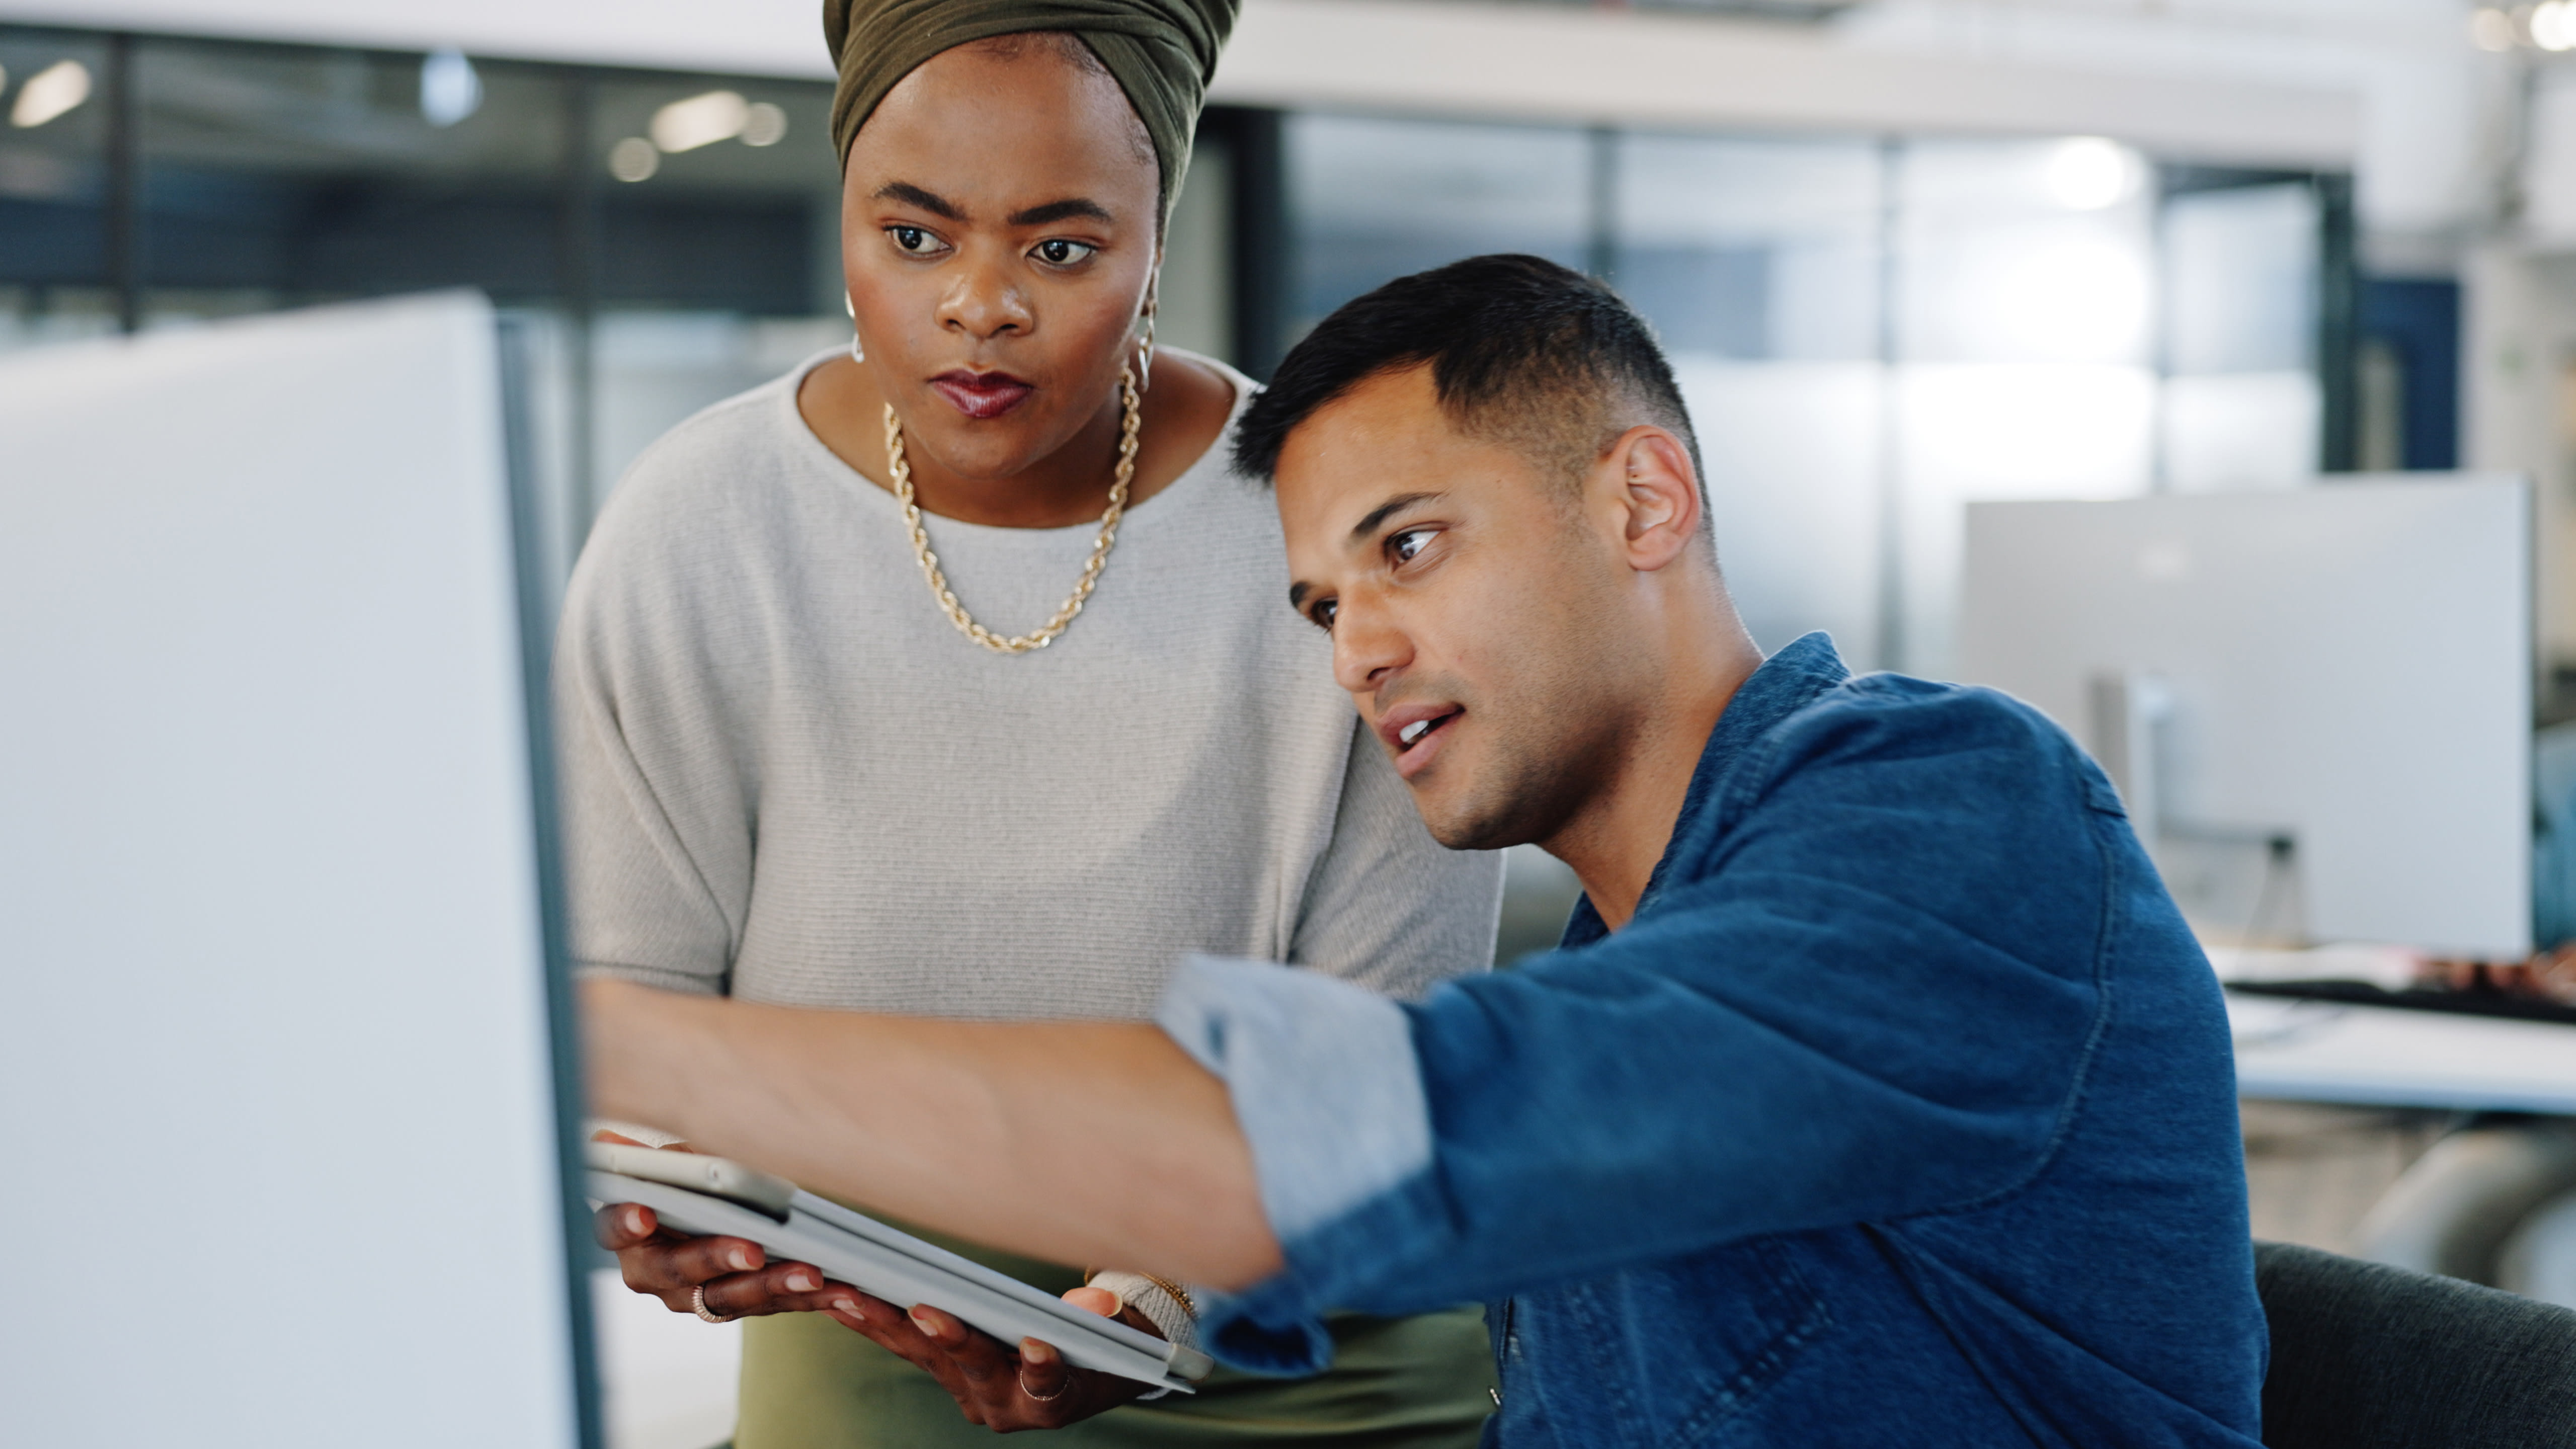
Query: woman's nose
{"x": 985, "y": 303}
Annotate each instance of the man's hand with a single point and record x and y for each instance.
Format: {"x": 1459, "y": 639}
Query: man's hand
{"x": 1003, "y": 1389}
{"x": 738, "y": 1279}
{"x": 2548, "y": 976}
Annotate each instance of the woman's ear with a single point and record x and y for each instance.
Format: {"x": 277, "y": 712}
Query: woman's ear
{"x": 1659, "y": 495}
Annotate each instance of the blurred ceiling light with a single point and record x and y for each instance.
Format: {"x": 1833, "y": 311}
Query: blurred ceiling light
{"x": 50, "y": 92}
{"x": 634, "y": 159}
{"x": 763, "y": 125}
{"x": 2553, "y": 26}
{"x": 700, "y": 121}
{"x": 449, "y": 89}
{"x": 2088, "y": 173}
{"x": 2491, "y": 29}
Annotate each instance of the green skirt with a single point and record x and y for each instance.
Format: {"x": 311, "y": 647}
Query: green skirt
{"x": 1396, "y": 1383}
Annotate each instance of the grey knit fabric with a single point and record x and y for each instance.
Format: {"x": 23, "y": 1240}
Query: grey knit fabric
{"x": 784, "y": 774}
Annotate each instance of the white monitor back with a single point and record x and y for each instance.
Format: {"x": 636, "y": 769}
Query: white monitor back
{"x": 278, "y": 1095}
{"x": 2347, "y": 666}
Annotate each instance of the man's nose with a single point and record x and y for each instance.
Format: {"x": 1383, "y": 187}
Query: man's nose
{"x": 1367, "y": 647}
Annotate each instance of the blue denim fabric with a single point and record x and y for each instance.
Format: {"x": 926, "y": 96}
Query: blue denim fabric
{"x": 1902, "y": 1113}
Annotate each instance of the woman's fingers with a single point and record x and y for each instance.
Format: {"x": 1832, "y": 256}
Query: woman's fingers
{"x": 980, "y": 1357}
{"x": 779, "y": 1288}
{"x": 667, "y": 1264}
{"x": 1004, "y": 1387}
{"x": 1043, "y": 1372}
{"x": 893, "y": 1330}
{"x": 623, "y": 1225}
{"x": 731, "y": 1276}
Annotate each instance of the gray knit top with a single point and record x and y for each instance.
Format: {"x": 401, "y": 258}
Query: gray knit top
{"x": 785, "y": 775}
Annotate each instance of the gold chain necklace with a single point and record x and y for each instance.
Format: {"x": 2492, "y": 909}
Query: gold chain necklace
{"x": 1046, "y": 633}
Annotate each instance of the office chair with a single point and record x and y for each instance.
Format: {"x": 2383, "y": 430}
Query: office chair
{"x": 2366, "y": 1356}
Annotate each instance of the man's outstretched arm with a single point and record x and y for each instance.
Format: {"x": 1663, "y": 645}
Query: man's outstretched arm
{"x": 1077, "y": 1142}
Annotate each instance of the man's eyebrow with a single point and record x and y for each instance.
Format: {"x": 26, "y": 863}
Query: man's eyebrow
{"x": 1379, "y": 515}
{"x": 929, "y": 201}
{"x": 1071, "y": 206}
{"x": 1297, "y": 596}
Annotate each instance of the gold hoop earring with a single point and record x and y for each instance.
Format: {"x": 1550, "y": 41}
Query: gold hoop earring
{"x": 851, "y": 307}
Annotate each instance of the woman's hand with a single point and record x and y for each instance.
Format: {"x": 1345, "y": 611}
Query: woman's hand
{"x": 1001, "y": 1388}
{"x": 737, "y": 1278}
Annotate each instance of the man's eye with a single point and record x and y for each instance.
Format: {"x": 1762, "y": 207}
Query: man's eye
{"x": 1057, "y": 252}
{"x": 1409, "y": 543}
{"x": 913, "y": 240}
{"x": 1323, "y": 614}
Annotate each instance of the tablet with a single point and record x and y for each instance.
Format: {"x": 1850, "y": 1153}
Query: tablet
{"x": 693, "y": 1193}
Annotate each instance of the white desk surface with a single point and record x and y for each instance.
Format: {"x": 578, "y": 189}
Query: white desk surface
{"x": 2323, "y": 1051}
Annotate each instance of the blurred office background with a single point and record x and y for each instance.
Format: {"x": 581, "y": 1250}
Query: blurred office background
{"x": 1950, "y": 273}
{"x": 1905, "y": 254}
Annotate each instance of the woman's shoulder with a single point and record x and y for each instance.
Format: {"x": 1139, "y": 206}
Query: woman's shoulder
{"x": 1223, "y": 393}
{"x": 705, "y": 502}
{"x": 1228, "y": 391}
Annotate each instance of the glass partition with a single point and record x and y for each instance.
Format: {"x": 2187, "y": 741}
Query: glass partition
{"x": 1758, "y": 263}
{"x": 2024, "y": 341}
{"x": 1370, "y": 199}
{"x": 2242, "y": 406}
{"x": 54, "y": 188}
{"x": 278, "y": 176}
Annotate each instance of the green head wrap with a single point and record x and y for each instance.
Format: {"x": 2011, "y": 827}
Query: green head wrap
{"x": 1161, "y": 52}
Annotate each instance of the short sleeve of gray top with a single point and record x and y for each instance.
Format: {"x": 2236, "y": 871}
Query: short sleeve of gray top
{"x": 785, "y": 775}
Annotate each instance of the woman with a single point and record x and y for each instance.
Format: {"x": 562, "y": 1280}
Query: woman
{"x": 809, "y": 759}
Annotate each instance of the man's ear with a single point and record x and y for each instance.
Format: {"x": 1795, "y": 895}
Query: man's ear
{"x": 1650, "y": 471}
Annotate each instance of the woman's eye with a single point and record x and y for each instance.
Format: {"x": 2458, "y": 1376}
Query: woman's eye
{"x": 1409, "y": 543}
{"x": 1057, "y": 252}
{"x": 1324, "y": 613}
{"x": 913, "y": 240}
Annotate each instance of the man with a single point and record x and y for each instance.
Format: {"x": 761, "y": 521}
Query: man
{"x": 1878, "y": 1094}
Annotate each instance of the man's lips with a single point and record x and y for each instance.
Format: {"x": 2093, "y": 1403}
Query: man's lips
{"x": 981, "y": 394}
{"x": 1414, "y": 732}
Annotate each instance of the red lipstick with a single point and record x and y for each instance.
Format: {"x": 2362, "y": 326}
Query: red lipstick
{"x": 981, "y": 395}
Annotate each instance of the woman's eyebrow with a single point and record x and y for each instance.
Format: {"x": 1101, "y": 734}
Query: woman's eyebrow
{"x": 1071, "y": 206}
{"x": 929, "y": 201}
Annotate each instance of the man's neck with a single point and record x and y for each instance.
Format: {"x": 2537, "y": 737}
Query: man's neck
{"x": 1615, "y": 841}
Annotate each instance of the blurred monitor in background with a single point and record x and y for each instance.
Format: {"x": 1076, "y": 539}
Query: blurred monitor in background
{"x": 2316, "y": 702}
{"x": 269, "y": 858}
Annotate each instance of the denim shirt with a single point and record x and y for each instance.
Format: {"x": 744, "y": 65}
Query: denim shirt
{"x": 1903, "y": 1112}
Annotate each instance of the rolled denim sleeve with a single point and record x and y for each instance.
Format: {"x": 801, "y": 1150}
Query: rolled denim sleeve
{"x": 1328, "y": 1092}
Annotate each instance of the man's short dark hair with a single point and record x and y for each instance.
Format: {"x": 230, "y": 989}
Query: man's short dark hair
{"x": 1523, "y": 352}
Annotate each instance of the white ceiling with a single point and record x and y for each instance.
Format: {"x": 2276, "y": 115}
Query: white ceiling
{"x": 1524, "y": 61}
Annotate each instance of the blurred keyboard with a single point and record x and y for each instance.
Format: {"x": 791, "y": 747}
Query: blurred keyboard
{"x": 2464, "y": 1003}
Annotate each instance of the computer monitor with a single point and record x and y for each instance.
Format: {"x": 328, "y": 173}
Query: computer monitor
{"x": 281, "y": 1091}
{"x": 2317, "y": 702}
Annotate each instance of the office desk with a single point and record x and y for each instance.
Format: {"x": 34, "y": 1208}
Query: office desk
{"x": 2317, "y": 1051}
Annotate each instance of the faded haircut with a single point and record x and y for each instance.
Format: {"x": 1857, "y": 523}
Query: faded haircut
{"x": 1523, "y": 352}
